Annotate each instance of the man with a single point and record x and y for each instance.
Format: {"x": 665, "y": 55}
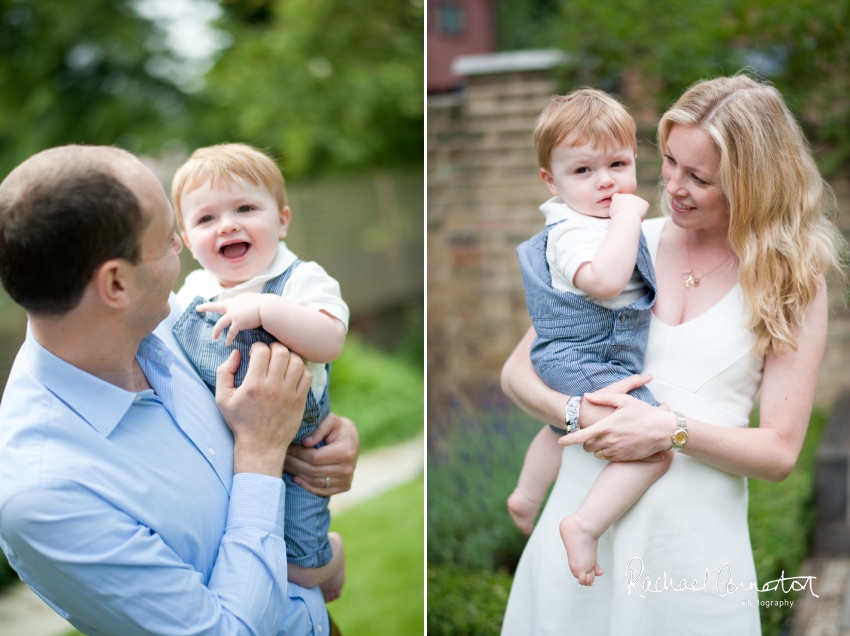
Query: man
{"x": 125, "y": 501}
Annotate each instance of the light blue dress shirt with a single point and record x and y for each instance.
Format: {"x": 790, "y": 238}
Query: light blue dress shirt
{"x": 122, "y": 512}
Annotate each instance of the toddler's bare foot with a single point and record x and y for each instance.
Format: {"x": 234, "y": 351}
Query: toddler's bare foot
{"x": 581, "y": 549}
{"x": 523, "y": 510}
{"x": 332, "y": 588}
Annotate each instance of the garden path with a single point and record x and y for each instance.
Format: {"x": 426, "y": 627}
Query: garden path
{"x": 22, "y": 613}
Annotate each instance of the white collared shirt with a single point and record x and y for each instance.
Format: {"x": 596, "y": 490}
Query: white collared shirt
{"x": 574, "y": 242}
{"x": 309, "y": 286}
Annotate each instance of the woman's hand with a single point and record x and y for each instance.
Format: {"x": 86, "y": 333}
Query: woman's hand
{"x": 633, "y": 431}
{"x": 327, "y": 470}
{"x": 591, "y": 412}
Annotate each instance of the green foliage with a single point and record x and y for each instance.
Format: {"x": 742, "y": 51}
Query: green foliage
{"x": 664, "y": 46}
{"x": 466, "y": 602}
{"x": 781, "y": 518}
{"x": 526, "y": 24}
{"x": 471, "y": 472}
{"x": 381, "y": 393}
{"x": 7, "y": 574}
{"x": 383, "y": 593}
{"x": 75, "y": 73}
{"x": 323, "y": 85}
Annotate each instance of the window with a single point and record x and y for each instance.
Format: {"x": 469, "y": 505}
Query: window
{"x": 450, "y": 18}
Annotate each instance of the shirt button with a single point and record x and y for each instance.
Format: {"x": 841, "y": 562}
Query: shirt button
{"x": 310, "y": 419}
{"x": 212, "y": 451}
{"x": 623, "y": 317}
{"x": 320, "y": 629}
{"x": 138, "y": 398}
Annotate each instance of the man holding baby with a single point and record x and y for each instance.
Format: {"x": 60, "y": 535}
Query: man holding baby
{"x": 131, "y": 500}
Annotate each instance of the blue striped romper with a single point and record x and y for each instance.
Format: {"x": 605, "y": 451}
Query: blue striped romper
{"x": 581, "y": 346}
{"x": 307, "y": 516}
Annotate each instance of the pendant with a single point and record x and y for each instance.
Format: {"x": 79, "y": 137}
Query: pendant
{"x": 688, "y": 279}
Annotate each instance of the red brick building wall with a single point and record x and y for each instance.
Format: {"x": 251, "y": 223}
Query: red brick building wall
{"x": 456, "y": 27}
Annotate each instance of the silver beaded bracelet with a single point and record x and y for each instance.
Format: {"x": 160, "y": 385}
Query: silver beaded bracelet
{"x": 571, "y": 415}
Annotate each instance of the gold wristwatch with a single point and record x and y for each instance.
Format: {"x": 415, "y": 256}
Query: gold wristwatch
{"x": 680, "y": 435}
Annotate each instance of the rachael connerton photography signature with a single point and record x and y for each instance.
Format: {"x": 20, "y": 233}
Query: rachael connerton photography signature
{"x": 723, "y": 583}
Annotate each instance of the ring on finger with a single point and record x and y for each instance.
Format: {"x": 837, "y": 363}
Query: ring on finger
{"x": 601, "y": 456}
{"x": 327, "y": 482}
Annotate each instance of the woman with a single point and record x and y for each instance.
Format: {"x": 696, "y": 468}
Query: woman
{"x": 740, "y": 265}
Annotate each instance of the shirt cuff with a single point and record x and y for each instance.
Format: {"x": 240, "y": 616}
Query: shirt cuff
{"x": 257, "y": 501}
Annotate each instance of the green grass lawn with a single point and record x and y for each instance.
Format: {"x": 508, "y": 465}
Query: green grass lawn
{"x": 384, "y": 567}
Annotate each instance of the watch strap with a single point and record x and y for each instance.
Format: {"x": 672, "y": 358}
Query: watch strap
{"x": 680, "y": 435}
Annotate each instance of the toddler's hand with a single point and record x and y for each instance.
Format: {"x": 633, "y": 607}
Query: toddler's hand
{"x": 628, "y": 203}
{"x": 241, "y": 312}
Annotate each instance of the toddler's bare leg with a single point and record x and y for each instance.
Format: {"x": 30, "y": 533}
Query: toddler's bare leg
{"x": 541, "y": 466}
{"x": 618, "y": 487}
{"x": 329, "y": 577}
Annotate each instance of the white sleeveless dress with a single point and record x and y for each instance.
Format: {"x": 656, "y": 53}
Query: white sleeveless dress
{"x": 690, "y": 526}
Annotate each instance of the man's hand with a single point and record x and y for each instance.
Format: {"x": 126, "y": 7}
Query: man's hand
{"x": 628, "y": 203}
{"x": 333, "y": 462}
{"x": 241, "y": 312}
{"x": 265, "y": 412}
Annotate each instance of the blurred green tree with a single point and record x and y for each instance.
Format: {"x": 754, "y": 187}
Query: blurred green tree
{"x": 526, "y": 24}
{"x": 667, "y": 45}
{"x": 81, "y": 72}
{"x": 325, "y": 86}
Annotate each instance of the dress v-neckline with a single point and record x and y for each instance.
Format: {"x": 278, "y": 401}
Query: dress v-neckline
{"x": 695, "y": 318}
{"x": 652, "y": 245}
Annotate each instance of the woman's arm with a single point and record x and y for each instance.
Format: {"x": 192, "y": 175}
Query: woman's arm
{"x": 767, "y": 452}
{"x": 521, "y": 383}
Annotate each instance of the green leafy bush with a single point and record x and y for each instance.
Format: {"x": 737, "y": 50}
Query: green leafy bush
{"x": 781, "y": 518}
{"x": 466, "y": 602}
{"x": 471, "y": 471}
{"x": 383, "y": 394}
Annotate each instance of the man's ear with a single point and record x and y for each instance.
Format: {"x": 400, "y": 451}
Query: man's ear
{"x": 110, "y": 282}
{"x": 549, "y": 181}
{"x": 284, "y": 220}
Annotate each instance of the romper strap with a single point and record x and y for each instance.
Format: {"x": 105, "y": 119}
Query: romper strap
{"x": 276, "y": 284}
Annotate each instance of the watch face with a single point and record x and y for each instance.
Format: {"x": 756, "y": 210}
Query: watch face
{"x": 680, "y": 437}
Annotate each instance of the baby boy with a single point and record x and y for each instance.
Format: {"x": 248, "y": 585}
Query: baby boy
{"x": 589, "y": 286}
{"x": 230, "y": 204}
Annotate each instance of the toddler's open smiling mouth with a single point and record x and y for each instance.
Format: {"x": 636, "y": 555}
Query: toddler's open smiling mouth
{"x": 234, "y": 251}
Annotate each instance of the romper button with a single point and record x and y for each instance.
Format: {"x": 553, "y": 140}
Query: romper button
{"x": 310, "y": 419}
{"x": 623, "y": 317}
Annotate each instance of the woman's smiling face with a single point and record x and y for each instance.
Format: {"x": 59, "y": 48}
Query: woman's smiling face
{"x": 691, "y": 164}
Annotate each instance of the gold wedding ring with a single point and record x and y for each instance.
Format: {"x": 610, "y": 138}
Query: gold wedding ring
{"x": 599, "y": 455}
{"x": 327, "y": 482}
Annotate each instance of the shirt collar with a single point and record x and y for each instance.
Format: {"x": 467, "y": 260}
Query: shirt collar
{"x": 556, "y": 210}
{"x": 209, "y": 287}
{"x": 98, "y": 402}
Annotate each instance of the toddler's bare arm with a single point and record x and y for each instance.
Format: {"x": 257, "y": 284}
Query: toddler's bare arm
{"x": 611, "y": 268}
{"x": 313, "y": 334}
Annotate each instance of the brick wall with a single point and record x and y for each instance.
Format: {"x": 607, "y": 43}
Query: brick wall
{"x": 483, "y": 193}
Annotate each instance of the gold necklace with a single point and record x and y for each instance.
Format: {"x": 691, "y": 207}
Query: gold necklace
{"x": 689, "y": 278}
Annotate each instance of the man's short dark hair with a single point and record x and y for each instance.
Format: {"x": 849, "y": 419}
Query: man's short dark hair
{"x": 54, "y": 235}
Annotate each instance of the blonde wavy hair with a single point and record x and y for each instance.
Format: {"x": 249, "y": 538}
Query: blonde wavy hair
{"x": 778, "y": 226}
